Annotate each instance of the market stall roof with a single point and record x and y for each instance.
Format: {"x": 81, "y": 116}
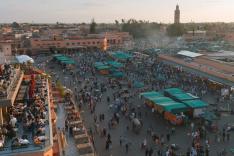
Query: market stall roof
{"x": 118, "y": 74}
{"x": 96, "y": 64}
{"x": 160, "y": 100}
{"x": 104, "y": 67}
{"x": 138, "y": 84}
{"x": 24, "y": 59}
{"x": 175, "y": 107}
{"x": 195, "y": 103}
{"x": 189, "y": 54}
{"x": 150, "y": 94}
{"x": 57, "y": 55}
{"x": 209, "y": 116}
{"x": 68, "y": 62}
{"x": 173, "y": 91}
{"x": 115, "y": 64}
{"x": 122, "y": 55}
{"x": 62, "y": 58}
{"x": 184, "y": 96}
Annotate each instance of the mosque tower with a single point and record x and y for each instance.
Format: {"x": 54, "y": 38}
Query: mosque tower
{"x": 177, "y": 15}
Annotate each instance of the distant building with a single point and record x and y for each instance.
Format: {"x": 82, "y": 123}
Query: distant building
{"x": 195, "y": 35}
{"x": 5, "y": 48}
{"x": 177, "y": 15}
{"x": 96, "y": 41}
{"x": 229, "y": 37}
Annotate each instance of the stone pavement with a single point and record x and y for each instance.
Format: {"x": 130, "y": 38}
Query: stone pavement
{"x": 159, "y": 125}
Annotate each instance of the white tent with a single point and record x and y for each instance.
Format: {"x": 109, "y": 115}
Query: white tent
{"x": 189, "y": 54}
{"x": 24, "y": 59}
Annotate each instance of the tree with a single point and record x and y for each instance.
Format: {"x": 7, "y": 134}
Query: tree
{"x": 139, "y": 29}
{"x": 116, "y": 22}
{"x": 15, "y": 25}
{"x": 93, "y": 25}
{"x": 174, "y": 30}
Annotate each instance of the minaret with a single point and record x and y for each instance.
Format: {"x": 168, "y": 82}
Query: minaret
{"x": 177, "y": 15}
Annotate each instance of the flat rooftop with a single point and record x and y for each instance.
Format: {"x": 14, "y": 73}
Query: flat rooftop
{"x": 204, "y": 66}
{"x": 32, "y": 132}
{"x": 10, "y": 81}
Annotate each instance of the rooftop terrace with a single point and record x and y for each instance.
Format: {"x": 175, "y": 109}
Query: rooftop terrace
{"x": 10, "y": 80}
{"x": 27, "y": 128}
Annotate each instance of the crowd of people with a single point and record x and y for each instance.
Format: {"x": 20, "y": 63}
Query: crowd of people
{"x": 156, "y": 75}
{"x": 27, "y": 121}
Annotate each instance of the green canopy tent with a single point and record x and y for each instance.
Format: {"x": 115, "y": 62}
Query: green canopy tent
{"x": 115, "y": 64}
{"x": 209, "y": 116}
{"x": 166, "y": 104}
{"x": 159, "y": 100}
{"x": 175, "y": 107}
{"x": 103, "y": 67}
{"x": 58, "y": 55}
{"x": 183, "y": 97}
{"x": 173, "y": 91}
{"x": 68, "y": 62}
{"x": 138, "y": 84}
{"x": 121, "y": 55}
{"x": 96, "y": 64}
{"x": 118, "y": 74}
{"x": 195, "y": 104}
{"x": 151, "y": 94}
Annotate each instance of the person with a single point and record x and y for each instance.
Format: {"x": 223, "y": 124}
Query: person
{"x": 168, "y": 137}
{"x": 13, "y": 121}
{"x": 146, "y": 151}
{"x": 159, "y": 152}
{"x": 126, "y": 147}
{"x": 192, "y": 126}
{"x": 120, "y": 141}
{"x": 224, "y": 134}
{"x": 107, "y": 145}
{"x": 228, "y": 136}
{"x": 151, "y": 151}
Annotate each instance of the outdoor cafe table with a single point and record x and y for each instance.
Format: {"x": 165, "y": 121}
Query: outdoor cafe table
{"x": 82, "y": 139}
{"x": 76, "y": 123}
{"x": 86, "y": 145}
{"x": 68, "y": 108}
{"x": 89, "y": 154}
{"x": 79, "y": 131}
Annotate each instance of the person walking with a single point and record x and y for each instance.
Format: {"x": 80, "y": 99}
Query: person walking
{"x": 151, "y": 151}
{"x": 168, "y": 137}
{"x": 146, "y": 151}
{"x": 224, "y": 135}
{"x": 126, "y": 148}
{"x": 120, "y": 141}
{"x": 228, "y": 136}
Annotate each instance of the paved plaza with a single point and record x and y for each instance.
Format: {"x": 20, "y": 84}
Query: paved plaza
{"x": 121, "y": 135}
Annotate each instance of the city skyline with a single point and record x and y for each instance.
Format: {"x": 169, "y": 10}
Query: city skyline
{"x": 73, "y": 11}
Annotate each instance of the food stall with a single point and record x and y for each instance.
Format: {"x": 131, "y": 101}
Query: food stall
{"x": 149, "y": 97}
{"x": 196, "y": 107}
{"x": 175, "y": 113}
{"x": 81, "y": 139}
{"x": 86, "y": 149}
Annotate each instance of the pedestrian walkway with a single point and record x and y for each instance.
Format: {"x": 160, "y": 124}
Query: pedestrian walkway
{"x": 71, "y": 149}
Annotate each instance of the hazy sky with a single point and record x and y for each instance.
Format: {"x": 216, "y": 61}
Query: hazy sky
{"x": 69, "y": 11}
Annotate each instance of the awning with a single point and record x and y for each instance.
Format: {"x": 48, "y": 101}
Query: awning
{"x": 195, "y": 104}
{"x": 173, "y": 91}
{"x": 24, "y": 59}
{"x": 189, "y": 54}
{"x": 151, "y": 94}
